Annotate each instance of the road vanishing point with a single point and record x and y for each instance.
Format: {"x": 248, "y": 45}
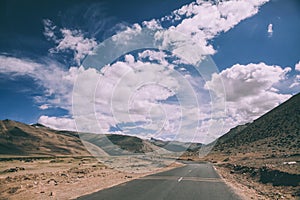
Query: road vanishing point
{"x": 194, "y": 181}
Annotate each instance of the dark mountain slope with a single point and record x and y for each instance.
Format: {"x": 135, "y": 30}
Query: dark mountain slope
{"x": 33, "y": 140}
{"x": 277, "y": 130}
{"x": 18, "y": 139}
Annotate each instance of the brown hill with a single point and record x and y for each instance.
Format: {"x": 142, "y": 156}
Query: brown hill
{"x": 18, "y": 139}
{"x": 114, "y": 144}
{"x": 176, "y": 146}
{"x": 276, "y": 131}
{"x": 265, "y": 154}
{"x": 35, "y": 140}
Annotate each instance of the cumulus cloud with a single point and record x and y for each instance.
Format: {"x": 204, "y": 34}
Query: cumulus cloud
{"x": 152, "y": 24}
{"x": 196, "y": 24}
{"x": 296, "y": 83}
{"x": 158, "y": 56}
{"x": 270, "y": 30}
{"x": 44, "y": 107}
{"x": 59, "y": 123}
{"x": 244, "y": 80}
{"x": 136, "y": 94}
{"x": 121, "y": 89}
{"x": 123, "y": 36}
{"x": 71, "y": 40}
{"x": 133, "y": 90}
{"x": 297, "y": 66}
{"x": 203, "y": 20}
{"x": 140, "y": 98}
{"x": 250, "y": 89}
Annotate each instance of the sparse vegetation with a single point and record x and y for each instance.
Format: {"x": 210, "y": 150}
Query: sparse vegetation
{"x": 256, "y": 154}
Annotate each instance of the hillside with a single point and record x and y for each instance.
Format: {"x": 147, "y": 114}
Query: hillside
{"x": 276, "y": 131}
{"x": 35, "y": 140}
{"x": 265, "y": 154}
{"x": 18, "y": 139}
{"x": 113, "y": 144}
{"x": 176, "y": 146}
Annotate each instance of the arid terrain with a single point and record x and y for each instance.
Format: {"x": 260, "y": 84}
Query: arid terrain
{"x": 264, "y": 155}
{"x": 60, "y": 178}
{"x": 259, "y": 160}
{"x": 37, "y": 162}
{"x": 267, "y": 178}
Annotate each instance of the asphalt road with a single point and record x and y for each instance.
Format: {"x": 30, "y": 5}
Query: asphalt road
{"x": 191, "y": 182}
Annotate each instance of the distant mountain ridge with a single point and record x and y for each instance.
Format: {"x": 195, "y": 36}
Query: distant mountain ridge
{"x": 20, "y": 139}
{"x": 176, "y": 146}
{"x": 279, "y": 129}
{"x": 114, "y": 144}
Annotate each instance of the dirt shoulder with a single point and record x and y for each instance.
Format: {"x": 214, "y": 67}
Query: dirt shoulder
{"x": 249, "y": 188}
{"x": 244, "y": 188}
{"x": 256, "y": 176}
{"x": 61, "y": 178}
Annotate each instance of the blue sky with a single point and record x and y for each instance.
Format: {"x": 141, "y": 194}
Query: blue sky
{"x": 48, "y": 74}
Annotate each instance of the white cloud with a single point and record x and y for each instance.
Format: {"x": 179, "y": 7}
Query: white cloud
{"x": 198, "y": 23}
{"x": 121, "y": 87}
{"x": 270, "y": 30}
{"x": 59, "y": 123}
{"x": 49, "y": 74}
{"x": 134, "y": 91}
{"x": 297, "y": 66}
{"x": 123, "y": 81}
{"x": 44, "y": 107}
{"x": 17, "y": 66}
{"x": 49, "y": 29}
{"x": 296, "y": 82}
{"x": 123, "y": 36}
{"x": 244, "y": 80}
{"x": 152, "y": 24}
{"x": 73, "y": 40}
{"x": 204, "y": 20}
{"x": 159, "y": 56}
{"x": 250, "y": 90}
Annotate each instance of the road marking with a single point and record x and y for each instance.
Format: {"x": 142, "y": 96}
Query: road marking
{"x": 197, "y": 179}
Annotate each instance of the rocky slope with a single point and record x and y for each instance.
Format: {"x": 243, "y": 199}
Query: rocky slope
{"x": 276, "y": 131}
{"x": 34, "y": 140}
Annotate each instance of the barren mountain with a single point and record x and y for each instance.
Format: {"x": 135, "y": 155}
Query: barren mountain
{"x": 176, "y": 146}
{"x": 34, "y": 140}
{"x": 265, "y": 154}
{"x": 277, "y": 131}
{"x": 114, "y": 144}
{"x": 18, "y": 139}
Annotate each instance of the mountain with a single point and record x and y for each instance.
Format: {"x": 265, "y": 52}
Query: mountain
{"x": 18, "y": 139}
{"x": 176, "y": 146}
{"x": 114, "y": 144}
{"x": 34, "y": 140}
{"x": 277, "y": 131}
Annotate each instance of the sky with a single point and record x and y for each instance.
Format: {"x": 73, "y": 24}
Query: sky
{"x": 174, "y": 70}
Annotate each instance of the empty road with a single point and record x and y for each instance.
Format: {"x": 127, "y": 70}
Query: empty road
{"x": 191, "y": 182}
